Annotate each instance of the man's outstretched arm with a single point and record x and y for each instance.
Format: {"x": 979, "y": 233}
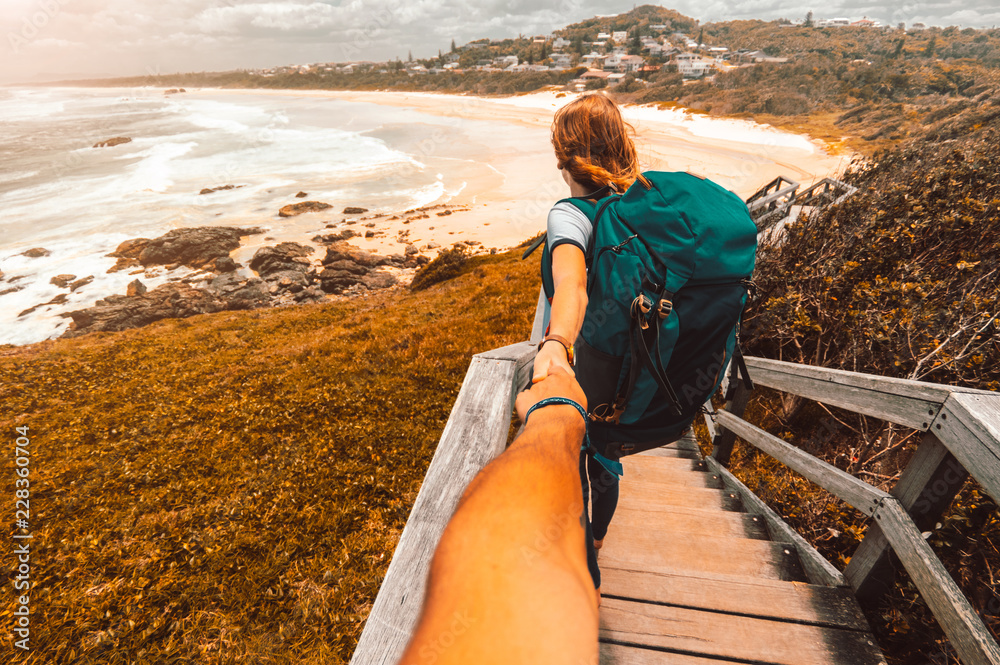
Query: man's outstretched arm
{"x": 509, "y": 581}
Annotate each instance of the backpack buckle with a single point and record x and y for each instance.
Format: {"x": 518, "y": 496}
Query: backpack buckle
{"x": 640, "y": 308}
{"x": 664, "y": 308}
{"x": 608, "y": 413}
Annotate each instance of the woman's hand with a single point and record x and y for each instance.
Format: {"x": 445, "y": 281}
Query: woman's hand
{"x": 558, "y": 384}
{"x": 552, "y": 354}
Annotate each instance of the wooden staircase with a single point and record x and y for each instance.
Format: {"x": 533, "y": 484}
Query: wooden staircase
{"x": 690, "y": 577}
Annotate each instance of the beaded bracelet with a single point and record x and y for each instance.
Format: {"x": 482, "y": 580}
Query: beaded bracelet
{"x": 612, "y": 466}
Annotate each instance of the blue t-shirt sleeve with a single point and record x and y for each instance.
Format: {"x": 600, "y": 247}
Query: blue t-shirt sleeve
{"x": 567, "y": 224}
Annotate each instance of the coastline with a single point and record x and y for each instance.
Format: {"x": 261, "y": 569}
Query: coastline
{"x": 511, "y": 203}
{"x": 492, "y": 155}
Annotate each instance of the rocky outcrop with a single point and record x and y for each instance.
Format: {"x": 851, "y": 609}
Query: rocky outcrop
{"x": 346, "y": 267}
{"x": 225, "y": 264}
{"x": 351, "y": 210}
{"x": 58, "y": 300}
{"x": 293, "y": 209}
{"x": 81, "y": 282}
{"x": 346, "y": 234}
{"x": 135, "y": 288}
{"x": 301, "y": 195}
{"x": 110, "y": 143}
{"x": 62, "y": 281}
{"x": 35, "y": 252}
{"x": 285, "y": 276}
{"x": 209, "y": 190}
{"x": 282, "y": 257}
{"x": 197, "y": 247}
{"x": 167, "y": 301}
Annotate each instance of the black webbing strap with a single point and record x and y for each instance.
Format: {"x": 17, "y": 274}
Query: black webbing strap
{"x": 655, "y": 368}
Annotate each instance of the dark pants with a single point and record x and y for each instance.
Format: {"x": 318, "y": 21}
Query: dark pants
{"x": 600, "y": 495}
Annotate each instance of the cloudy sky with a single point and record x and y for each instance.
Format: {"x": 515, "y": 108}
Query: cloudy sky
{"x": 44, "y": 39}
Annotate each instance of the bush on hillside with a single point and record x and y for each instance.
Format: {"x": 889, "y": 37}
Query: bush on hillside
{"x": 448, "y": 264}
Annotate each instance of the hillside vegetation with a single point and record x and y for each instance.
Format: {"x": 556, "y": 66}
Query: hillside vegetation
{"x": 230, "y": 487}
{"x": 900, "y": 280}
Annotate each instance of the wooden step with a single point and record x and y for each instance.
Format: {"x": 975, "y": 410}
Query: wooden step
{"x": 657, "y": 496}
{"x": 620, "y": 654}
{"x": 670, "y": 452}
{"x": 746, "y": 639}
{"x": 641, "y": 549}
{"x": 833, "y": 607}
{"x": 668, "y": 470}
{"x": 683, "y": 520}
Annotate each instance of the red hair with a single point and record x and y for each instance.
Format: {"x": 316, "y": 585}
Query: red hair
{"x": 593, "y": 143}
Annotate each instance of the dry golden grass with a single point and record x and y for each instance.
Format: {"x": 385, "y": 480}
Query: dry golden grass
{"x": 230, "y": 487}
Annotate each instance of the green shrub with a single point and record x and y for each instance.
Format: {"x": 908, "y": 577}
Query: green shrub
{"x": 446, "y": 265}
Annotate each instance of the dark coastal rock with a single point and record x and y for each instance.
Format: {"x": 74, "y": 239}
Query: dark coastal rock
{"x": 62, "y": 281}
{"x": 135, "y": 288}
{"x": 128, "y": 253}
{"x": 12, "y": 289}
{"x": 342, "y": 251}
{"x": 346, "y": 234}
{"x": 225, "y": 264}
{"x": 241, "y": 293}
{"x": 209, "y": 190}
{"x": 369, "y": 234}
{"x": 285, "y": 278}
{"x": 35, "y": 252}
{"x": 293, "y": 209}
{"x": 379, "y": 279}
{"x": 351, "y": 210}
{"x": 110, "y": 143}
{"x": 285, "y": 256}
{"x": 345, "y": 266}
{"x": 119, "y": 312}
{"x": 301, "y": 195}
{"x": 81, "y": 282}
{"x": 58, "y": 300}
{"x": 194, "y": 247}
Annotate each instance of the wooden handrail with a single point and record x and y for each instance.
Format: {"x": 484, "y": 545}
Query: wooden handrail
{"x": 476, "y": 432}
{"x": 963, "y": 432}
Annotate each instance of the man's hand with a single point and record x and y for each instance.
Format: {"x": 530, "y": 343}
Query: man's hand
{"x": 552, "y": 354}
{"x": 558, "y": 383}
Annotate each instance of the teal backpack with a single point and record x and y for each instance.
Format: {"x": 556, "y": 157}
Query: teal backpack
{"x": 668, "y": 276}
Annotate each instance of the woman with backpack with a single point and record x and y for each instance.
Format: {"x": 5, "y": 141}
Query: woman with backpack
{"x": 627, "y": 257}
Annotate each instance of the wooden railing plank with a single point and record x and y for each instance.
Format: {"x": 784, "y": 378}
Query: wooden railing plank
{"x": 538, "y": 326}
{"x": 522, "y": 355}
{"x": 817, "y": 569}
{"x": 961, "y": 623}
{"x": 856, "y": 492}
{"x": 969, "y": 426}
{"x": 911, "y": 403}
{"x": 476, "y": 433}
{"x": 925, "y": 489}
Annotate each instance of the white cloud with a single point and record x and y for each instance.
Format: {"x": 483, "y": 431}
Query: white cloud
{"x": 133, "y": 36}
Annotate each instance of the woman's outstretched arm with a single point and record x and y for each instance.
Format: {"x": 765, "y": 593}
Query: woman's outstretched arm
{"x": 509, "y": 581}
{"x": 569, "y": 305}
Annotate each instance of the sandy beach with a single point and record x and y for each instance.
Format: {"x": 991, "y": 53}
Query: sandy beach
{"x": 429, "y": 169}
{"x": 507, "y": 202}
